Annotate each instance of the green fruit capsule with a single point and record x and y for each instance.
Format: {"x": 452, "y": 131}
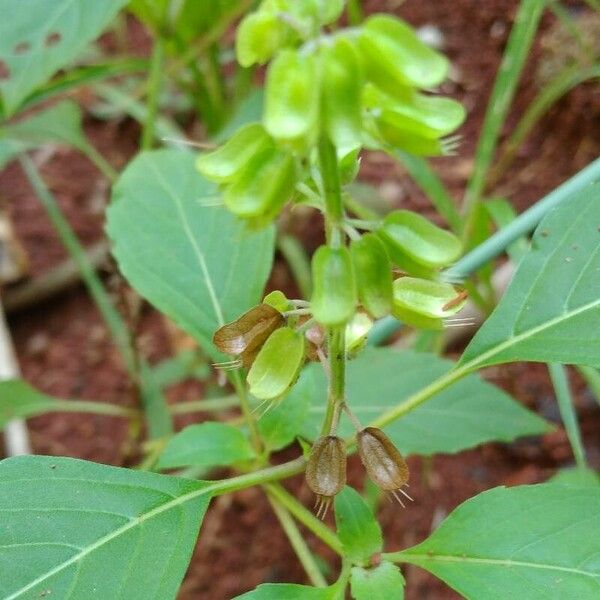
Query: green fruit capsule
{"x": 408, "y": 234}
{"x": 248, "y": 332}
{"x": 402, "y": 139}
{"x": 292, "y": 99}
{"x": 341, "y": 94}
{"x": 425, "y": 304}
{"x": 395, "y": 57}
{"x": 259, "y": 36}
{"x": 326, "y": 470}
{"x": 276, "y": 366}
{"x": 263, "y": 186}
{"x": 334, "y": 288}
{"x": 277, "y": 300}
{"x": 421, "y": 115}
{"x": 226, "y": 162}
{"x": 373, "y": 272}
{"x": 357, "y": 330}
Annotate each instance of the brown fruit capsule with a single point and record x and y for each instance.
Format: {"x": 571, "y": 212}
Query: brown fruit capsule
{"x": 326, "y": 471}
{"x": 382, "y": 460}
{"x": 249, "y": 332}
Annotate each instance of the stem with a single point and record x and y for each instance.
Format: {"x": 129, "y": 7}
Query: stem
{"x": 100, "y": 162}
{"x": 558, "y": 375}
{"x": 97, "y": 408}
{"x": 211, "y": 404}
{"x": 297, "y": 542}
{"x": 302, "y": 514}
{"x": 154, "y": 80}
{"x": 242, "y": 394}
{"x": 517, "y": 50}
{"x": 592, "y": 378}
{"x": 299, "y": 264}
{"x": 336, "y": 347}
{"x": 111, "y": 316}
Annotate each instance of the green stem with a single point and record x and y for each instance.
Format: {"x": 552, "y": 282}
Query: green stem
{"x": 210, "y": 404}
{"x": 97, "y": 408}
{"x": 242, "y": 394}
{"x": 299, "y": 264}
{"x": 334, "y": 219}
{"x": 558, "y": 375}
{"x": 516, "y": 53}
{"x": 307, "y": 560}
{"x": 302, "y": 514}
{"x": 592, "y": 378}
{"x": 111, "y": 316}
{"x": 154, "y": 81}
{"x": 100, "y": 162}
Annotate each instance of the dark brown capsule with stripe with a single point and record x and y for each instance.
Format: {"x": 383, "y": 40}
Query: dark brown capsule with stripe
{"x": 384, "y": 464}
{"x": 326, "y": 471}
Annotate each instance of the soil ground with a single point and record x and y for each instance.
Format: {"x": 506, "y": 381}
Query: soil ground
{"x": 65, "y": 350}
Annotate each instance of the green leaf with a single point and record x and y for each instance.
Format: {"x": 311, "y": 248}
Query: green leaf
{"x": 529, "y": 542}
{"x": 209, "y": 269}
{"x": 384, "y": 582}
{"x": 81, "y": 530}
{"x": 42, "y": 36}
{"x": 289, "y": 591}
{"x": 60, "y": 123}
{"x": 551, "y": 310}
{"x": 283, "y": 422}
{"x": 206, "y": 445}
{"x": 19, "y": 400}
{"x": 576, "y": 476}
{"x": 357, "y": 528}
{"x": 465, "y": 414}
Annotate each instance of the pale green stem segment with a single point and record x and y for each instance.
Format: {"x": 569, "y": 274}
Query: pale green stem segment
{"x": 111, "y": 316}
{"x": 242, "y": 394}
{"x": 336, "y": 336}
{"x": 208, "y": 405}
{"x": 298, "y": 262}
{"x": 157, "y": 61}
{"x": 592, "y": 378}
{"x": 96, "y": 408}
{"x": 518, "y": 48}
{"x": 305, "y": 517}
{"x": 307, "y": 560}
{"x": 558, "y": 374}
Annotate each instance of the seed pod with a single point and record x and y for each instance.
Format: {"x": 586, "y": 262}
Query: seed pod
{"x": 422, "y": 116}
{"x": 395, "y": 57}
{"x": 277, "y": 300}
{"x": 425, "y": 304}
{"x": 408, "y": 235}
{"x": 262, "y": 187}
{"x": 334, "y": 287}
{"x": 326, "y": 470}
{"x": 383, "y": 462}
{"x": 223, "y": 164}
{"x": 341, "y": 94}
{"x": 357, "y": 330}
{"x": 259, "y": 36}
{"x": 373, "y": 271}
{"x": 277, "y": 364}
{"x": 250, "y": 331}
{"x": 292, "y": 99}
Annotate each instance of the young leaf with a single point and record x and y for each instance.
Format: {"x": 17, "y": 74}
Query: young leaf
{"x": 81, "y": 530}
{"x": 210, "y": 269}
{"x": 357, "y": 528}
{"x": 551, "y": 310}
{"x": 468, "y": 413}
{"x": 384, "y": 582}
{"x": 207, "y": 445}
{"x": 529, "y": 542}
{"x": 38, "y": 37}
{"x": 60, "y": 124}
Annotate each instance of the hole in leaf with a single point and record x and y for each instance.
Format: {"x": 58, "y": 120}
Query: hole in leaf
{"x": 22, "y": 47}
{"x": 4, "y": 71}
{"x": 52, "y": 39}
